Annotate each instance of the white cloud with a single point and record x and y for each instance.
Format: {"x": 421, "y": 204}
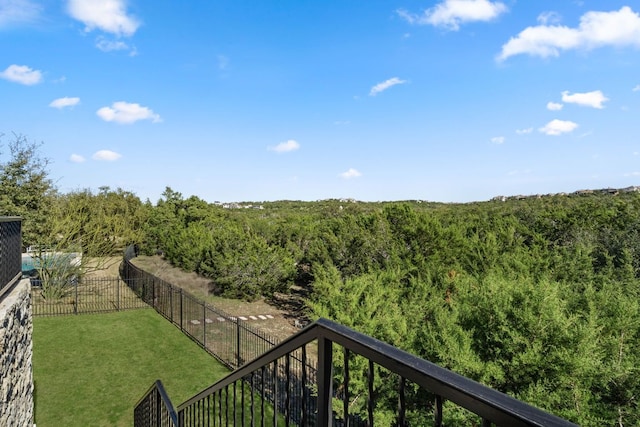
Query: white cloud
{"x": 107, "y": 15}
{"x": 64, "y": 102}
{"x": 549, "y": 18}
{"x": 588, "y": 99}
{"x": 126, "y": 113}
{"x": 558, "y": 127}
{"x": 381, "y": 87}
{"x": 596, "y": 29}
{"x": 106, "y": 45}
{"x": 524, "y": 131}
{"x": 636, "y": 88}
{"x": 22, "y": 74}
{"x": 285, "y": 147}
{"x": 451, "y": 13}
{"x": 351, "y": 173}
{"x": 77, "y": 158}
{"x": 106, "y": 155}
{"x": 498, "y": 139}
{"x": 554, "y": 106}
{"x": 18, "y": 12}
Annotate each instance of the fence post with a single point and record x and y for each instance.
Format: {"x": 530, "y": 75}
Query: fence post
{"x": 181, "y": 298}
{"x": 325, "y": 381}
{"x": 238, "y": 358}
{"x": 75, "y": 306}
{"x": 204, "y": 324}
{"x": 171, "y": 301}
{"x": 118, "y": 295}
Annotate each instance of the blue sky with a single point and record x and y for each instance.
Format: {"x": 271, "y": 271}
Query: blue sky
{"x": 447, "y": 100}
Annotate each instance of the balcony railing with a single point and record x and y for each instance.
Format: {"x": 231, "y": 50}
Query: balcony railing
{"x": 155, "y": 408}
{"x": 10, "y": 253}
{"x": 421, "y": 390}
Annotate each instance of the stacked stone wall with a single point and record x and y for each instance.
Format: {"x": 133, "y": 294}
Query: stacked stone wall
{"x": 16, "y": 349}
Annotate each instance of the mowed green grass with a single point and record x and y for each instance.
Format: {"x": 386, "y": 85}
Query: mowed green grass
{"x": 90, "y": 370}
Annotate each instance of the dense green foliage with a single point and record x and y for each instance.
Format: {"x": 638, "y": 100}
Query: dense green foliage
{"x": 535, "y": 297}
{"x": 97, "y": 224}
{"x": 25, "y": 186}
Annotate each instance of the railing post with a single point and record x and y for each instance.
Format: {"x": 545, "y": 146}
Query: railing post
{"x": 118, "y": 295}
{"x": 158, "y": 408}
{"x": 325, "y": 382}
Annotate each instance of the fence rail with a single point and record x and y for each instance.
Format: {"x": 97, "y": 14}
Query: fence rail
{"x": 10, "y": 253}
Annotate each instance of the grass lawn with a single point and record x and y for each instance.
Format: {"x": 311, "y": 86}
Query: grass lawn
{"x": 90, "y": 370}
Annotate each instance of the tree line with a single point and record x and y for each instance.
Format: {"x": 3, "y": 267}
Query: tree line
{"x": 536, "y": 297}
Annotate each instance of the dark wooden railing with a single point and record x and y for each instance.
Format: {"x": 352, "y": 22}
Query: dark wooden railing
{"x": 238, "y": 398}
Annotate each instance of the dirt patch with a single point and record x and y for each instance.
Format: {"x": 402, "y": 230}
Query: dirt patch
{"x": 103, "y": 267}
{"x": 283, "y": 315}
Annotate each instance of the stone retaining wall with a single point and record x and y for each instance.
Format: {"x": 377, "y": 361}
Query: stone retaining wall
{"x": 16, "y": 373}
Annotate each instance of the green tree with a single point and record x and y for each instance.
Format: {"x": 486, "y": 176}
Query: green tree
{"x": 85, "y": 232}
{"x": 242, "y": 265}
{"x": 26, "y": 189}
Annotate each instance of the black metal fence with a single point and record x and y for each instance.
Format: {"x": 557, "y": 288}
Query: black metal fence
{"x": 226, "y": 337}
{"x": 10, "y": 253}
{"x": 84, "y": 296}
